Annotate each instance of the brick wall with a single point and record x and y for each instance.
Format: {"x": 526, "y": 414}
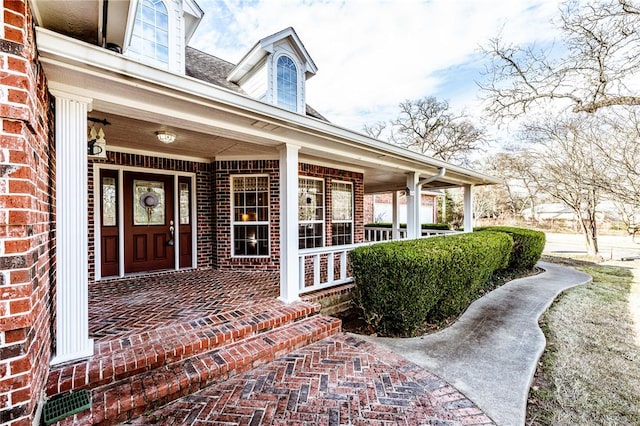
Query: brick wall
{"x": 27, "y": 200}
{"x": 223, "y": 172}
{"x": 370, "y": 200}
{"x": 329, "y": 175}
{"x": 205, "y": 209}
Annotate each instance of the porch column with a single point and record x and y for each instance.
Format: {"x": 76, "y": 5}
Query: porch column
{"x": 289, "y": 264}
{"x": 413, "y": 205}
{"x": 468, "y": 208}
{"x": 395, "y": 231}
{"x": 72, "y": 286}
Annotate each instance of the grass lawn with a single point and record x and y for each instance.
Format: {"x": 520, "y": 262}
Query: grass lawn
{"x": 589, "y": 373}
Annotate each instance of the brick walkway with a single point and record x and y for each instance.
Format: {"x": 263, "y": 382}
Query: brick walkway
{"x": 340, "y": 380}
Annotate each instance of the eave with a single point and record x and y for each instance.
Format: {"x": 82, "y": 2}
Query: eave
{"x": 118, "y": 85}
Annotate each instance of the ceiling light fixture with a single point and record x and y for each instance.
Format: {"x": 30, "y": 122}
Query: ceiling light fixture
{"x": 166, "y": 137}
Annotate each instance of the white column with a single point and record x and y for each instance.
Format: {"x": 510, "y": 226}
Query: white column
{"x": 413, "y": 204}
{"x": 72, "y": 286}
{"x": 468, "y": 208}
{"x": 395, "y": 232}
{"x": 289, "y": 264}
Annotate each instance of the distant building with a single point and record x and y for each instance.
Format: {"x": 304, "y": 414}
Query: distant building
{"x": 379, "y": 207}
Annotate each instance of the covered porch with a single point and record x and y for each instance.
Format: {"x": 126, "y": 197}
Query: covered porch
{"x": 160, "y": 336}
{"x": 220, "y": 135}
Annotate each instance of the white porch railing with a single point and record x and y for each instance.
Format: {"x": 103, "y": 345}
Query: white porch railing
{"x": 374, "y": 233}
{"x": 325, "y": 267}
{"x": 382, "y": 233}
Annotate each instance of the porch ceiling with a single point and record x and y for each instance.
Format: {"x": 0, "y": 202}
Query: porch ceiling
{"x": 127, "y": 133}
{"x": 213, "y": 123}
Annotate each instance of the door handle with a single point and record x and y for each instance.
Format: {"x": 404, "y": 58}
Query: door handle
{"x": 171, "y": 241}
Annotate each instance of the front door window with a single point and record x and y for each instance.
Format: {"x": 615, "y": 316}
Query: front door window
{"x": 148, "y": 202}
{"x": 149, "y": 230}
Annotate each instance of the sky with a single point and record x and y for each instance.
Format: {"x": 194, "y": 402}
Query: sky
{"x": 373, "y": 54}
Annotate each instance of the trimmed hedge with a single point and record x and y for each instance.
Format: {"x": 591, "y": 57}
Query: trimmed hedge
{"x": 437, "y": 226}
{"x": 400, "y": 284}
{"x": 527, "y": 246}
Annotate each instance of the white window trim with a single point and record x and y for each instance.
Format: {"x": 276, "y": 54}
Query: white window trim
{"x": 234, "y": 222}
{"x": 353, "y": 208}
{"x": 300, "y": 97}
{"x": 171, "y": 19}
{"x": 324, "y": 209}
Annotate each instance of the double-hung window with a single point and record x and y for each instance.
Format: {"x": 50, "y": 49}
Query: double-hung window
{"x": 250, "y": 215}
{"x": 310, "y": 213}
{"x": 341, "y": 213}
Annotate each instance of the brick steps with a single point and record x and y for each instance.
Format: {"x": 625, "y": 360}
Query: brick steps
{"x": 131, "y": 380}
{"x": 122, "y": 358}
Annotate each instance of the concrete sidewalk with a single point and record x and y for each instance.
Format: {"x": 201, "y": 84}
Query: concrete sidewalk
{"x": 490, "y": 353}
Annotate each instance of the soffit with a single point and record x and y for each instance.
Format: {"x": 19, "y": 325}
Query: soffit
{"x": 82, "y": 20}
{"x": 218, "y": 121}
{"x": 77, "y": 19}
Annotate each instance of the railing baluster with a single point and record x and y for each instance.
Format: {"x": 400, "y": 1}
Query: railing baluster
{"x": 343, "y": 265}
{"x": 316, "y": 269}
{"x": 330, "y": 266}
{"x": 302, "y": 274}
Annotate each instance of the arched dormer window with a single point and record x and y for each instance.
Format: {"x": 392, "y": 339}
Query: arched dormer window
{"x": 150, "y": 38}
{"x": 287, "y": 83}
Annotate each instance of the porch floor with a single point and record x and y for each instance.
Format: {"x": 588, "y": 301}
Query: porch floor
{"x": 162, "y": 337}
{"x": 125, "y": 307}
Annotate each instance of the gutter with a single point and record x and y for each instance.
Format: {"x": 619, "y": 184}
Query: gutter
{"x": 55, "y": 48}
{"x": 440, "y": 175}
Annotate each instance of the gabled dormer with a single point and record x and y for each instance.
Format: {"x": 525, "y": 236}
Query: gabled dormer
{"x": 158, "y": 32}
{"x": 275, "y": 71}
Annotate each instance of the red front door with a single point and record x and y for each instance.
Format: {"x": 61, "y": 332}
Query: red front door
{"x": 148, "y": 222}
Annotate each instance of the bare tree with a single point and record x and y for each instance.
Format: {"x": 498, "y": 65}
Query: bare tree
{"x": 376, "y": 129}
{"x": 429, "y": 127}
{"x": 522, "y": 191}
{"x": 619, "y": 148}
{"x": 629, "y": 216}
{"x": 599, "y": 69}
{"x": 565, "y": 163}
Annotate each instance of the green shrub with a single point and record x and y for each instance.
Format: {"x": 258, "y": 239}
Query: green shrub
{"x": 527, "y": 246}
{"x": 437, "y": 226}
{"x": 402, "y": 283}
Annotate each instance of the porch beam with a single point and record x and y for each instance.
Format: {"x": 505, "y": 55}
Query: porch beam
{"x": 72, "y": 286}
{"x": 413, "y": 205}
{"x": 468, "y": 208}
{"x": 289, "y": 262}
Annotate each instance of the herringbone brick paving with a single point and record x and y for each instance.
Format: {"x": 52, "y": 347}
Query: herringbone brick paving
{"x": 167, "y": 335}
{"x": 124, "y": 307}
{"x": 340, "y": 380}
{"x": 143, "y": 324}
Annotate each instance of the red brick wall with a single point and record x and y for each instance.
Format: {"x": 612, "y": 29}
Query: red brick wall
{"x": 214, "y": 205}
{"x": 223, "y": 172}
{"x": 368, "y": 208}
{"x": 27, "y": 200}
{"x": 329, "y": 175}
{"x": 387, "y": 198}
{"x": 204, "y": 193}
